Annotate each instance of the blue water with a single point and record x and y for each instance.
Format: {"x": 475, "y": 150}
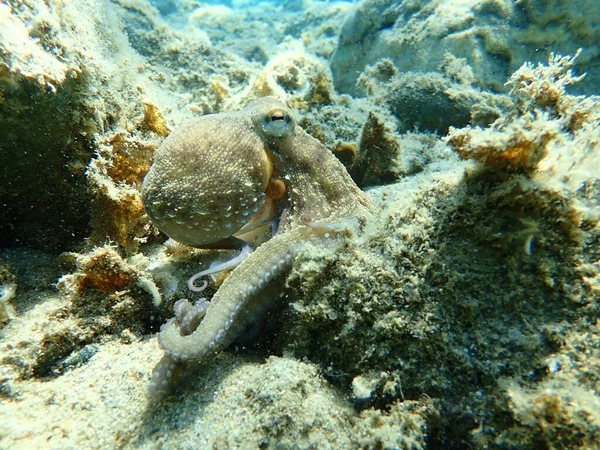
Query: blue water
{"x": 167, "y": 7}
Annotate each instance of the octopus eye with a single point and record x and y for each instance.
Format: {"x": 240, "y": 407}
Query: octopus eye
{"x": 278, "y": 123}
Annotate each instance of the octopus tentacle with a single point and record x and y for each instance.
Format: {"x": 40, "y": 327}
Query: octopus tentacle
{"x": 229, "y": 264}
{"x": 163, "y": 372}
{"x": 188, "y": 316}
{"x": 227, "y": 313}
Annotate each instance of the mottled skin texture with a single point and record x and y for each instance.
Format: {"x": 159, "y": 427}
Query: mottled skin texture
{"x": 194, "y": 193}
{"x": 251, "y": 145}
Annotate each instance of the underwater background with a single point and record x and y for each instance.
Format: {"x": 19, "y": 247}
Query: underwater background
{"x": 462, "y": 314}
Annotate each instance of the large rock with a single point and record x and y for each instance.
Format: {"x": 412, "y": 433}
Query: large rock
{"x": 495, "y": 37}
{"x": 61, "y": 85}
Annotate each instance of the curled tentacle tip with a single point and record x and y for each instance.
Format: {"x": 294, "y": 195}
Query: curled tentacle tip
{"x": 229, "y": 264}
{"x": 192, "y": 286}
{"x": 306, "y": 220}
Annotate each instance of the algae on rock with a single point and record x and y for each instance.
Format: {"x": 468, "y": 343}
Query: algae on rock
{"x": 495, "y": 37}
{"x": 62, "y": 85}
{"x": 461, "y": 284}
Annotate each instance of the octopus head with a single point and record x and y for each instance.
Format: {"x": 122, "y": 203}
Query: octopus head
{"x": 213, "y": 177}
{"x": 271, "y": 118}
{"x": 208, "y": 180}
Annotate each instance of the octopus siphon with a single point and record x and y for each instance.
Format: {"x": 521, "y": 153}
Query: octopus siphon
{"x": 219, "y": 181}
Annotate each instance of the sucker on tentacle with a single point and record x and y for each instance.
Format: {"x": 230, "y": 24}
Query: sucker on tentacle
{"x": 188, "y": 316}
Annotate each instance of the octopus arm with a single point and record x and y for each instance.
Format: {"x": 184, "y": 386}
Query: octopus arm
{"x": 320, "y": 185}
{"x": 238, "y": 301}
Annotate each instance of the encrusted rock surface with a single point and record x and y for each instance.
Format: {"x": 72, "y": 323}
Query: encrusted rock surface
{"x": 494, "y": 36}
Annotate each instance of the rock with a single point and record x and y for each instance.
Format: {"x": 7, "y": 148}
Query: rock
{"x": 494, "y": 36}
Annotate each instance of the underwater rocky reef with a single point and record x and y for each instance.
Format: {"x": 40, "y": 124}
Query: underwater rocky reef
{"x": 461, "y": 312}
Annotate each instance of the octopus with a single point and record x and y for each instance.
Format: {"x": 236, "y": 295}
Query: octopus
{"x": 218, "y": 182}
